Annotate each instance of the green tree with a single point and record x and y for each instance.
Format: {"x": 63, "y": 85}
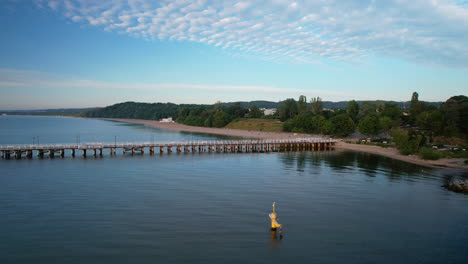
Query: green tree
{"x": 302, "y": 104}
{"x": 432, "y": 121}
{"x": 386, "y": 123}
{"x": 220, "y": 119}
{"x": 236, "y": 110}
{"x": 366, "y": 109}
{"x": 299, "y": 124}
{"x": 255, "y": 112}
{"x": 339, "y": 125}
{"x": 316, "y": 124}
{"x": 352, "y": 109}
{"x": 317, "y": 105}
{"x": 288, "y": 110}
{"x": 392, "y": 111}
{"x": 405, "y": 143}
{"x": 455, "y": 111}
{"x": 370, "y": 125}
{"x": 416, "y": 107}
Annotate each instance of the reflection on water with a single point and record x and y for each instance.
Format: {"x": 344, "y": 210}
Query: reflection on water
{"x": 344, "y": 161}
{"x": 334, "y": 206}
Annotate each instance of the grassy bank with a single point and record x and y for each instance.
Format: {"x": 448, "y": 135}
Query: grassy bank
{"x": 264, "y": 125}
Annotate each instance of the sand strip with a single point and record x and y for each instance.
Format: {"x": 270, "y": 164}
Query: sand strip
{"x": 214, "y": 131}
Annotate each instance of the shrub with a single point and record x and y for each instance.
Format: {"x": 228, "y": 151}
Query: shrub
{"x": 429, "y": 154}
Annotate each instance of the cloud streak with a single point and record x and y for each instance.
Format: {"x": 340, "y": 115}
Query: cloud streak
{"x": 423, "y": 31}
{"x": 10, "y": 79}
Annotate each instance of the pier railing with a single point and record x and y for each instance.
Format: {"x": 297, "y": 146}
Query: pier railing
{"x": 260, "y": 145}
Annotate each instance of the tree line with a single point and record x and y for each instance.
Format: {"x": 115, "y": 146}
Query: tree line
{"x": 449, "y": 119}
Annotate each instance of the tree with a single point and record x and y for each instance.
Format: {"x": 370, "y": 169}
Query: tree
{"x": 392, "y": 111}
{"x": 220, "y": 119}
{"x": 370, "y": 125}
{"x": 416, "y": 107}
{"x": 218, "y": 106}
{"x": 455, "y": 111}
{"x": 405, "y": 143}
{"x": 386, "y": 123}
{"x": 339, "y": 125}
{"x": 414, "y": 97}
{"x": 300, "y": 123}
{"x": 236, "y": 110}
{"x": 366, "y": 109}
{"x": 316, "y": 124}
{"x": 255, "y": 112}
{"x": 352, "y": 109}
{"x": 288, "y": 110}
{"x": 432, "y": 121}
{"x": 302, "y": 104}
{"x": 317, "y": 105}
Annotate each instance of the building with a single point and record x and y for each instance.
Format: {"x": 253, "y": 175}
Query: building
{"x": 271, "y": 111}
{"x": 167, "y": 120}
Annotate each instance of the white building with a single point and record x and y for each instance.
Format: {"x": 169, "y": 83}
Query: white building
{"x": 167, "y": 120}
{"x": 271, "y": 111}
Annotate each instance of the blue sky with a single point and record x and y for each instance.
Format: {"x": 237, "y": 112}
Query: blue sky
{"x": 83, "y": 53}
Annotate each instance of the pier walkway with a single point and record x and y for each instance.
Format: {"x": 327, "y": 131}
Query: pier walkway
{"x": 215, "y": 146}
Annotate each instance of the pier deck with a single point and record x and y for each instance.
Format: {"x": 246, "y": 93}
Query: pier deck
{"x": 217, "y": 146}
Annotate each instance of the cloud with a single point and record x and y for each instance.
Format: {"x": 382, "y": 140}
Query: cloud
{"x": 423, "y": 31}
{"x": 10, "y": 78}
{"x": 16, "y": 85}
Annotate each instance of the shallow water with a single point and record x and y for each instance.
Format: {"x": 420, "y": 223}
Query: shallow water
{"x": 213, "y": 208}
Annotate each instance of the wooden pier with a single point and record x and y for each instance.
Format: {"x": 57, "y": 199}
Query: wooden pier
{"x": 213, "y": 146}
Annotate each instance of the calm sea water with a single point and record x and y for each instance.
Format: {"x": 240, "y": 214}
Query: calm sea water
{"x": 336, "y": 207}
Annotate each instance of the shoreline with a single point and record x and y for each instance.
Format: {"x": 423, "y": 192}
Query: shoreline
{"x": 212, "y": 130}
{"x": 448, "y": 164}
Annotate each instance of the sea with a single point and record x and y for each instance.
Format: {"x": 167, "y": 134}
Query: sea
{"x": 335, "y": 206}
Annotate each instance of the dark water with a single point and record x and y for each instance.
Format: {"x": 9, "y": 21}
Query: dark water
{"x": 336, "y": 207}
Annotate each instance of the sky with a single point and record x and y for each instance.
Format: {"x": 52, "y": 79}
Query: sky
{"x": 89, "y": 53}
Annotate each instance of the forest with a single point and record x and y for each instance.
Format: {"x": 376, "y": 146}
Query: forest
{"x": 411, "y": 124}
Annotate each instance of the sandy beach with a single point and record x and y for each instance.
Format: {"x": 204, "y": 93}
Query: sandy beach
{"x": 212, "y": 130}
{"x": 453, "y": 164}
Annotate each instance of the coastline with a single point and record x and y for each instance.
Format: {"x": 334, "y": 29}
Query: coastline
{"x": 450, "y": 164}
{"x": 212, "y": 130}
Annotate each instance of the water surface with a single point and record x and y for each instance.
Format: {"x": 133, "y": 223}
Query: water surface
{"x": 213, "y": 208}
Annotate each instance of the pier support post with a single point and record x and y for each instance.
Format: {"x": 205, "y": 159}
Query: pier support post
{"x": 62, "y": 153}
{"x": 84, "y": 152}
{"x": 169, "y": 149}
{"x": 51, "y": 153}
{"x": 73, "y": 152}
{"x": 40, "y": 153}
{"x": 151, "y": 150}
{"x": 100, "y": 152}
{"x": 29, "y": 154}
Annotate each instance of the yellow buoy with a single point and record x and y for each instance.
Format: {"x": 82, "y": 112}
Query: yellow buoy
{"x": 274, "y": 219}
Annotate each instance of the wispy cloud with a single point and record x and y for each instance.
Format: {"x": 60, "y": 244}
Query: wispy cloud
{"x": 11, "y": 78}
{"x": 423, "y": 31}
